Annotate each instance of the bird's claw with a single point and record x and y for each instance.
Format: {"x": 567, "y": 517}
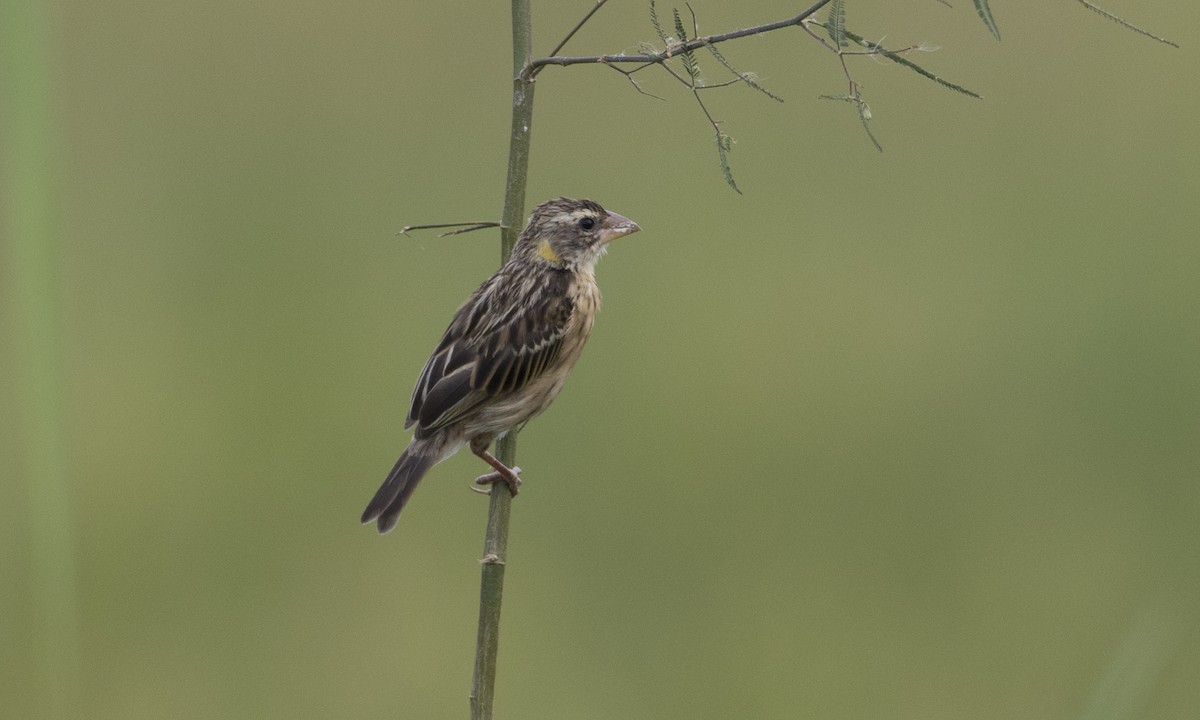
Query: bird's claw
{"x": 513, "y": 481}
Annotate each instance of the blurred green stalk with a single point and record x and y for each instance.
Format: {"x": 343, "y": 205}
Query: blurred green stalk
{"x": 1137, "y": 663}
{"x": 495, "y": 549}
{"x": 32, "y": 289}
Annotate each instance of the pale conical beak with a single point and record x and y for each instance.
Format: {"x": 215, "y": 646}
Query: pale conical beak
{"x": 615, "y": 225}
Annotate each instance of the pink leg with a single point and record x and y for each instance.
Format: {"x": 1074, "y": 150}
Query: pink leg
{"x": 510, "y": 476}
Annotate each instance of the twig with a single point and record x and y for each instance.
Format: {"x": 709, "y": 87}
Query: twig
{"x": 629, "y": 76}
{"x": 533, "y": 68}
{"x": 727, "y": 83}
{"x": 478, "y": 225}
{"x": 564, "y": 41}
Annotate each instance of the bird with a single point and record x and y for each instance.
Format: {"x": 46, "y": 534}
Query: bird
{"x": 508, "y": 350}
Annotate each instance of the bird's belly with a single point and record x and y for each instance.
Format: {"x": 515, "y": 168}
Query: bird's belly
{"x": 516, "y": 409}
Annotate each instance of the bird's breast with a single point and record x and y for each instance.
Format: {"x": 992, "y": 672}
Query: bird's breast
{"x": 585, "y": 301}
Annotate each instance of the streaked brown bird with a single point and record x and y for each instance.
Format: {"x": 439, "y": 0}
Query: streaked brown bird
{"x": 508, "y": 350}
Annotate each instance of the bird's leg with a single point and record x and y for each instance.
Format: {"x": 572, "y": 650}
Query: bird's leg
{"x": 510, "y": 476}
{"x": 492, "y": 478}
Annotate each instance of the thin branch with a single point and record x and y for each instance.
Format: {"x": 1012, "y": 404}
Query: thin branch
{"x": 466, "y": 227}
{"x": 677, "y": 76}
{"x": 534, "y": 67}
{"x": 629, "y": 76}
{"x": 725, "y": 84}
{"x": 695, "y": 23}
{"x": 580, "y": 24}
{"x": 715, "y": 123}
{"x": 807, "y": 27}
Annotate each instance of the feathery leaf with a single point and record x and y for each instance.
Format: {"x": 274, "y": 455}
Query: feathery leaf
{"x": 724, "y": 146}
{"x": 864, "y": 114}
{"x": 905, "y": 62}
{"x": 689, "y": 58}
{"x": 1126, "y": 23}
{"x": 747, "y": 78}
{"x": 662, "y": 35}
{"x": 679, "y": 29}
{"x": 836, "y": 24}
{"x": 985, "y": 14}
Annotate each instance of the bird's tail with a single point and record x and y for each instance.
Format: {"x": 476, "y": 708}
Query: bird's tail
{"x": 391, "y": 497}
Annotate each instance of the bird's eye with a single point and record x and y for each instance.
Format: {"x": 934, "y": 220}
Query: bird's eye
{"x": 587, "y": 223}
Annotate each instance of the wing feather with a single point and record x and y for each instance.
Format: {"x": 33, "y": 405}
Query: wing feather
{"x": 505, "y": 336}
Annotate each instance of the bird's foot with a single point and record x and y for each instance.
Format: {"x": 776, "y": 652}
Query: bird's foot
{"x": 511, "y": 478}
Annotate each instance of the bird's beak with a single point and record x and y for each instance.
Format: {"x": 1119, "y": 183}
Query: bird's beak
{"x": 614, "y": 226}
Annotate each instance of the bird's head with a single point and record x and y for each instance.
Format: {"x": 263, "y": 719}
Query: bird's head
{"x": 567, "y": 233}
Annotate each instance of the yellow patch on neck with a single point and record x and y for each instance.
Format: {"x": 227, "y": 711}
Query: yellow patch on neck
{"x": 547, "y": 253}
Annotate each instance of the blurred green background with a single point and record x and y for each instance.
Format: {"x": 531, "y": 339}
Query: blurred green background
{"x": 906, "y": 435}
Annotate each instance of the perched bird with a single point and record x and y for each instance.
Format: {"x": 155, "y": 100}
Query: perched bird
{"x": 508, "y": 350}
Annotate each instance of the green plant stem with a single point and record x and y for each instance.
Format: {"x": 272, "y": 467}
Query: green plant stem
{"x": 518, "y": 138}
{"x": 30, "y": 288}
{"x": 495, "y": 545}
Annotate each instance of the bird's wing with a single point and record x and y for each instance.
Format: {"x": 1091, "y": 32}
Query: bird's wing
{"x": 503, "y": 337}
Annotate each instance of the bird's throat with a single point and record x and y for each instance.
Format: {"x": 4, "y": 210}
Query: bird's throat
{"x": 547, "y": 253}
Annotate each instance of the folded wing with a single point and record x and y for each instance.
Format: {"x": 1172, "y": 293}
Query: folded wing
{"x": 505, "y": 336}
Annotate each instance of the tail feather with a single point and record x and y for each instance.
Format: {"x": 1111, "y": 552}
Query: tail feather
{"x": 391, "y": 497}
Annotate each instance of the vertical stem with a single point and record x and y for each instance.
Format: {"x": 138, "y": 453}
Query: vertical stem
{"x": 518, "y": 138}
{"x": 30, "y": 289}
{"x": 495, "y": 546}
